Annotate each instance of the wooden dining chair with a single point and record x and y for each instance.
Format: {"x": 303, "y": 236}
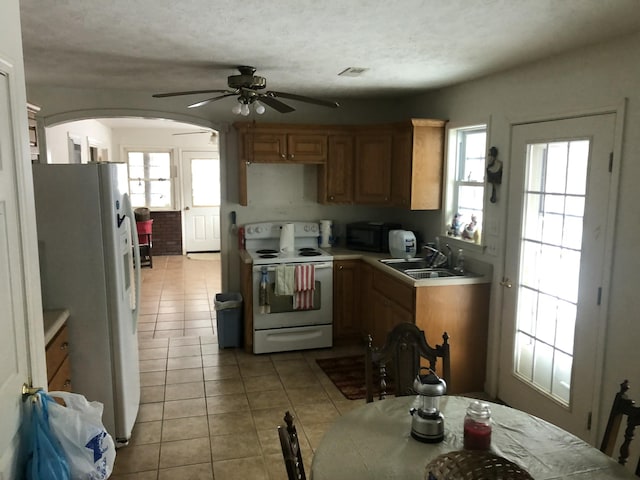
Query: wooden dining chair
{"x": 402, "y": 351}
{"x": 622, "y": 406}
{"x": 291, "y": 449}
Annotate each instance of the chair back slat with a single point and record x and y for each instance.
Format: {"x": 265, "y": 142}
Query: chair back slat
{"x": 400, "y": 357}
{"x": 622, "y": 407}
{"x": 291, "y": 449}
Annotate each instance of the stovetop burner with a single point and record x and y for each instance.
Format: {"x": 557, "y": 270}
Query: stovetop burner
{"x": 266, "y": 250}
{"x": 268, "y": 255}
{"x": 309, "y": 253}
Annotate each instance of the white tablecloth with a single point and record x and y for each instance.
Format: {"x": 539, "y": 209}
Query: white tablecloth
{"x": 374, "y": 442}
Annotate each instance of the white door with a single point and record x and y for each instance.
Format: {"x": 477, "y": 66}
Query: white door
{"x": 556, "y": 233}
{"x": 15, "y": 289}
{"x": 201, "y": 201}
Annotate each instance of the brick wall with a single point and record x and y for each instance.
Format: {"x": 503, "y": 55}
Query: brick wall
{"x": 167, "y": 233}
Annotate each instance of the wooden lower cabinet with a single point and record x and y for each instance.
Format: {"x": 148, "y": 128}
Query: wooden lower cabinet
{"x": 246, "y": 289}
{"x": 463, "y": 312}
{"x": 392, "y": 302}
{"x": 58, "y": 362}
{"x": 460, "y": 310}
{"x": 347, "y": 323}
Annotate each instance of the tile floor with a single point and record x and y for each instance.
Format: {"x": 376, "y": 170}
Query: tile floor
{"x": 210, "y": 413}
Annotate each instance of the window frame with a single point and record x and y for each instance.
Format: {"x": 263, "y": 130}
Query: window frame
{"x": 173, "y": 184}
{"x": 453, "y": 163}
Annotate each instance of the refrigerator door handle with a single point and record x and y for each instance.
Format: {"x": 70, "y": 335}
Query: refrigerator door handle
{"x": 136, "y": 256}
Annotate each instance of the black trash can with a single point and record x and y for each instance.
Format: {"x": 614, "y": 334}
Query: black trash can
{"x": 229, "y": 319}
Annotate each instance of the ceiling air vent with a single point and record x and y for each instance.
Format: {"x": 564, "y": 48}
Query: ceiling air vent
{"x": 352, "y": 72}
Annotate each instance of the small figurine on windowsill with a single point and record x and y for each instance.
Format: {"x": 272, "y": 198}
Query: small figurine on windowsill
{"x": 470, "y": 228}
{"x": 454, "y": 228}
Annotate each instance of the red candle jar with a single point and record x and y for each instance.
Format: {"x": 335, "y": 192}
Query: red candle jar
{"x": 477, "y": 426}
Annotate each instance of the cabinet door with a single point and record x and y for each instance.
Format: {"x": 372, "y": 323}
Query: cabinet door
{"x": 401, "y": 168}
{"x": 463, "y": 312}
{"x": 306, "y": 148}
{"x": 346, "y": 311}
{"x": 246, "y": 287}
{"x": 373, "y": 169}
{"x": 366, "y": 298}
{"x": 339, "y": 181}
{"x": 266, "y": 147}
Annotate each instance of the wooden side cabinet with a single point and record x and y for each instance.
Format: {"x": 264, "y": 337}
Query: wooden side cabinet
{"x": 347, "y": 323}
{"x": 463, "y": 312}
{"x": 58, "y": 362}
{"x": 418, "y": 159}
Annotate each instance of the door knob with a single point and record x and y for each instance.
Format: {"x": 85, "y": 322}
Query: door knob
{"x": 506, "y": 282}
{"x": 187, "y": 208}
{"x": 28, "y": 390}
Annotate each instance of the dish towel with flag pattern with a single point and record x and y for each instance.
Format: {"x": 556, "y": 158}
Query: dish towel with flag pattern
{"x": 305, "y": 284}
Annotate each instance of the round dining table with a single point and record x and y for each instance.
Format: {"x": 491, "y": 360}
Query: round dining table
{"x": 374, "y": 442}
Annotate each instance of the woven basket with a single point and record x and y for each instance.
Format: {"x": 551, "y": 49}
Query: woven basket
{"x": 473, "y": 465}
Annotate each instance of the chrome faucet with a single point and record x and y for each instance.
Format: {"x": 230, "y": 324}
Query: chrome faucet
{"x": 436, "y": 258}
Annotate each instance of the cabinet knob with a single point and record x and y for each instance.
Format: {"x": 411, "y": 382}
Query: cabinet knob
{"x": 283, "y": 155}
{"x": 67, "y": 383}
{"x": 340, "y": 267}
{"x": 64, "y": 346}
{"x": 292, "y": 156}
{"x": 331, "y": 197}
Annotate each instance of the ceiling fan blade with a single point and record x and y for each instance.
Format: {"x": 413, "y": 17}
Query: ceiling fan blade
{"x": 192, "y": 133}
{"x": 209, "y": 100}
{"x": 276, "y": 104}
{"x": 316, "y": 101}
{"x": 193, "y": 92}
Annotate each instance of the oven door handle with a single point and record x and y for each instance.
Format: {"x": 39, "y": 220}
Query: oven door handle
{"x": 272, "y": 268}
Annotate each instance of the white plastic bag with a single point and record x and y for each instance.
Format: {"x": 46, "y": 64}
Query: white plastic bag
{"x": 89, "y": 448}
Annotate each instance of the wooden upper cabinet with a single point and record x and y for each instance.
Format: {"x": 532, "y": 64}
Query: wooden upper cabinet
{"x": 267, "y": 146}
{"x": 373, "y": 168}
{"x": 307, "y": 148}
{"x": 336, "y": 180}
{"x": 418, "y": 158}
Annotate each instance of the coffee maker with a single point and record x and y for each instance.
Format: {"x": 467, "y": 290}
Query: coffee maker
{"x": 427, "y": 423}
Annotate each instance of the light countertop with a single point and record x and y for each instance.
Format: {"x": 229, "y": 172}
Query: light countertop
{"x": 479, "y": 272}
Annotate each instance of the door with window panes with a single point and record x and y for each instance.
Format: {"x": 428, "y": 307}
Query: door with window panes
{"x": 558, "y": 213}
{"x": 201, "y": 201}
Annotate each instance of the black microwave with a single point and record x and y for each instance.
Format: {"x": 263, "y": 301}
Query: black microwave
{"x": 370, "y": 236}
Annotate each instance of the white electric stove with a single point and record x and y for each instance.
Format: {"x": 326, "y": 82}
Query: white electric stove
{"x": 277, "y": 324}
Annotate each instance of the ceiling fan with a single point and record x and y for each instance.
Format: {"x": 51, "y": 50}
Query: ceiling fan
{"x": 248, "y": 87}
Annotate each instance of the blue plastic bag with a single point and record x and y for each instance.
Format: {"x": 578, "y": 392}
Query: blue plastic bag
{"x": 45, "y": 458}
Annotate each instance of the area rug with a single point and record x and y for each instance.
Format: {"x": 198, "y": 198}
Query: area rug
{"x": 347, "y": 373}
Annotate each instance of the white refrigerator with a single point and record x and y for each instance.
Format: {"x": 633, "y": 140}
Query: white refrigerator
{"x": 90, "y": 264}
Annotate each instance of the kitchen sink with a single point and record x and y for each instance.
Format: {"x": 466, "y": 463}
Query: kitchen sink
{"x": 418, "y": 268}
{"x": 420, "y": 273}
{"x": 406, "y": 264}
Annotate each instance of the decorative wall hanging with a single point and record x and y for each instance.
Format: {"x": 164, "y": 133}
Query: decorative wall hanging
{"x": 494, "y": 172}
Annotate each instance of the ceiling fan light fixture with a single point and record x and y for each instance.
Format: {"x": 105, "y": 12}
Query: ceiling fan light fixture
{"x": 236, "y": 108}
{"x": 259, "y": 108}
{"x": 244, "y": 110}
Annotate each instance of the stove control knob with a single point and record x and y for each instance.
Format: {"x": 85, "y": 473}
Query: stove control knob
{"x": 258, "y": 230}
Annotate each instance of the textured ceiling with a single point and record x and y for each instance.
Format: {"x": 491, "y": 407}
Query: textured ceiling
{"x": 300, "y": 45}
